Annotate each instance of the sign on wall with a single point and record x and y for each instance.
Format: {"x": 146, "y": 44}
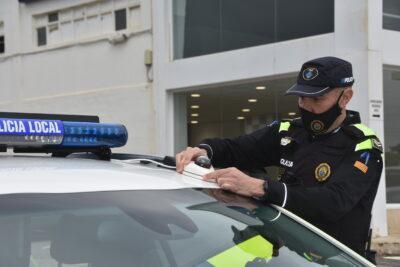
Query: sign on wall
{"x": 375, "y": 109}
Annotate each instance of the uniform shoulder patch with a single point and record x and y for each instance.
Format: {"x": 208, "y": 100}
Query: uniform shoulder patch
{"x": 368, "y": 144}
{"x": 361, "y": 166}
{"x": 376, "y": 143}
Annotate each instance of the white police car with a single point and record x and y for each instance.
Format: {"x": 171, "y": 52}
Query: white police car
{"x": 74, "y": 210}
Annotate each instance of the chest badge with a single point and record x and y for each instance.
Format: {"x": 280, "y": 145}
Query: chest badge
{"x": 322, "y": 172}
{"x": 286, "y": 141}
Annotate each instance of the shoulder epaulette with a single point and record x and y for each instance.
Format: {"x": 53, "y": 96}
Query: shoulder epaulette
{"x": 364, "y": 129}
{"x": 358, "y": 131}
{"x": 366, "y": 137}
{"x": 284, "y": 126}
{"x": 370, "y": 144}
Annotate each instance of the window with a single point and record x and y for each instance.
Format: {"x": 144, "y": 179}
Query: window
{"x": 53, "y": 17}
{"x": 231, "y": 110}
{"x": 85, "y": 21}
{"x": 41, "y": 36}
{"x": 391, "y": 96}
{"x": 181, "y": 227}
{"x": 120, "y": 19}
{"x": 210, "y": 26}
{"x": 391, "y": 15}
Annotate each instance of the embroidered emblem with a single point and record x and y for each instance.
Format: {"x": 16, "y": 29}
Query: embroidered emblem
{"x": 365, "y": 156}
{"x": 322, "y": 172}
{"x": 377, "y": 144}
{"x": 361, "y": 166}
{"x": 285, "y": 141}
{"x": 287, "y": 163}
{"x": 310, "y": 73}
{"x": 317, "y": 126}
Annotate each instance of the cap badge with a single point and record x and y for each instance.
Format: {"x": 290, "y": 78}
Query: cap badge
{"x": 317, "y": 126}
{"x": 322, "y": 172}
{"x": 310, "y": 73}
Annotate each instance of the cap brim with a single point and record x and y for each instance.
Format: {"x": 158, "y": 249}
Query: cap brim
{"x": 306, "y": 90}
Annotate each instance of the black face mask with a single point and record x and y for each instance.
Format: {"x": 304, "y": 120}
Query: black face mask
{"x": 320, "y": 123}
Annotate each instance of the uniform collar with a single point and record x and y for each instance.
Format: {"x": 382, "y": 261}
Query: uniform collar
{"x": 352, "y": 117}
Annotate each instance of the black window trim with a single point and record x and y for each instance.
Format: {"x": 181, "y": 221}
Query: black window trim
{"x": 124, "y": 20}
{"x": 2, "y": 44}
{"x": 43, "y": 30}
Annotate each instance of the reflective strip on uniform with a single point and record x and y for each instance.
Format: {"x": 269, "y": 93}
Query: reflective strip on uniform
{"x": 367, "y": 144}
{"x": 307, "y": 257}
{"x": 241, "y": 254}
{"x": 366, "y": 131}
{"x": 284, "y": 126}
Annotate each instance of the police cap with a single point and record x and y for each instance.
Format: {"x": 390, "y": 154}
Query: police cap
{"x": 320, "y": 75}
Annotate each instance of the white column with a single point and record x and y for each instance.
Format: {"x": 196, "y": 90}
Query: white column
{"x": 162, "y": 28}
{"x": 358, "y": 34}
{"x": 180, "y": 123}
{"x": 375, "y": 90}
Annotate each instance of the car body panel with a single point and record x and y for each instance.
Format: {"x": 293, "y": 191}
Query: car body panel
{"x": 324, "y": 235}
{"x": 21, "y": 174}
{"x": 38, "y": 174}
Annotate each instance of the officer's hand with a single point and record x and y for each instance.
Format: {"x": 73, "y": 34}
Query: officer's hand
{"x": 236, "y": 181}
{"x": 185, "y": 157}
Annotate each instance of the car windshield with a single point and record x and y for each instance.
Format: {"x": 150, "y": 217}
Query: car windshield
{"x": 185, "y": 227}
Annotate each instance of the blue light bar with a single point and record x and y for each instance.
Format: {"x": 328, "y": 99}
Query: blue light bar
{"x": 89, "y": 134}
{"x": 36, "y": 133}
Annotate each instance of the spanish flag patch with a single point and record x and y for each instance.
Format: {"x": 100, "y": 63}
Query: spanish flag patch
{"x": 361, "y": 166}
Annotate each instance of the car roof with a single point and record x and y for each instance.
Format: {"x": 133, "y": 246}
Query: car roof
{"x": 43, "y": 174}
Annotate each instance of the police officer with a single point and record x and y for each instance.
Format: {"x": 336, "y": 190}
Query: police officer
{"x": 332, "y": 163}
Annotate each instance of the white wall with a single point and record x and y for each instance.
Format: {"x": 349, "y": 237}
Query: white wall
{"x": 84, "y": 77}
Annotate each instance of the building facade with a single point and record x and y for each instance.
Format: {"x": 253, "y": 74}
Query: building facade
{"x": 80, "y": 57}
{"x": 219, "y": 67}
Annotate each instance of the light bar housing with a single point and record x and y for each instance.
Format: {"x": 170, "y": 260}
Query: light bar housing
{"x": 18, "y": 132}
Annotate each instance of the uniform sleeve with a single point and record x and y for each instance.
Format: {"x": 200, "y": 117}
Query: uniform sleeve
{"x": 247, "y": 152}
{"x": 354, "y": 179}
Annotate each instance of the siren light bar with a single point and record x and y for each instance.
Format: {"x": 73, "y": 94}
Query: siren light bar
{"x": 20, "y": 132}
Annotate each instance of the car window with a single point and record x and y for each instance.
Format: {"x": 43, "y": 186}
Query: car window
{"x": 184, "y": 227}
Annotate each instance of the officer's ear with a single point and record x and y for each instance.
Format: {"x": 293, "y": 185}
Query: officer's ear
{"x": 347, "y": 95}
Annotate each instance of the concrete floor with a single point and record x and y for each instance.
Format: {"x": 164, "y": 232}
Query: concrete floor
{"x": 388, "y": 261}
{"x": 387, "y": 246}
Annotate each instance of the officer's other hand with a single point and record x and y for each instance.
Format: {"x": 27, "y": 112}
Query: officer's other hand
{"x": 185, "y": 157}
{"x": 238, "y": 182}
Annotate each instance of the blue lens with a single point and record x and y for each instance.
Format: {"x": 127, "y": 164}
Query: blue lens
{"x": 87, "y": 134}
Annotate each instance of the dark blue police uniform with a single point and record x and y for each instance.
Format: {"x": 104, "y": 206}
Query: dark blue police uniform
{"x": 329, "y": 179}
